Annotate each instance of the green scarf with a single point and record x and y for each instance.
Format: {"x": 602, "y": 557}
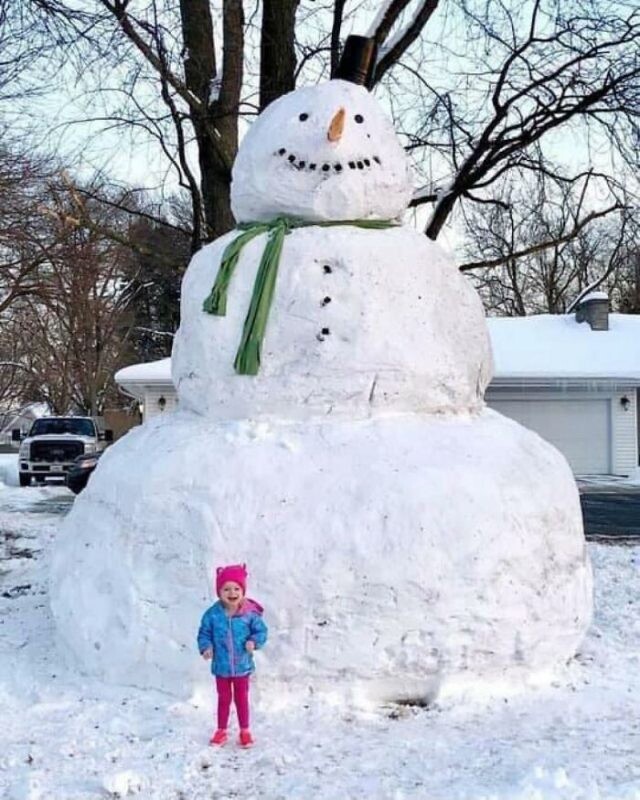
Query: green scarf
{"x": 247, "y": 360}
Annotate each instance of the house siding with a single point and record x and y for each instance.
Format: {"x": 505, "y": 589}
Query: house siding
{"x": 624, "y": 431}
{"x": 151, "y": 397}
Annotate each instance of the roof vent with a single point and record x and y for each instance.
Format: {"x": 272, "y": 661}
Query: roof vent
{"x": 594, "y": 309}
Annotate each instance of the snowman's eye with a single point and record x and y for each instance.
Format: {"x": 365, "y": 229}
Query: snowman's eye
{"x": 303, "y": 116}
{"x": 359, "y": 118}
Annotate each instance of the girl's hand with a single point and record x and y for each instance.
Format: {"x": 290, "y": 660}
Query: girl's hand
{"x": 207, "y": 654}
{"x": 250, "y": 646}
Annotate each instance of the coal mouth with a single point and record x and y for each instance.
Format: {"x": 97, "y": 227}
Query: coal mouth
{"x": 324, "y": 167}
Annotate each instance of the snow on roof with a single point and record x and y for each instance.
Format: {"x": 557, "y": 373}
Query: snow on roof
{"x": 149, "y": 372}
{"x": 556, "y": 346}
{"x": 593, "y": 296}
{"x": 542, "y": 346}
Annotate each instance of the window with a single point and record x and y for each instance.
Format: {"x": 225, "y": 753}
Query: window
{"x": 62, "y": 425}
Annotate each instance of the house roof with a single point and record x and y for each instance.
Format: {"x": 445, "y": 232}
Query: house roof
{"x": 544, "y": 347}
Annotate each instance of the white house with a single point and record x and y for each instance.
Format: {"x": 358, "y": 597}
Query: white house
{"x": 576, "y": 385}
{"x": 19, "y": 418}
{"x": 150, "y": 383}
{"x": 574, "y": 382}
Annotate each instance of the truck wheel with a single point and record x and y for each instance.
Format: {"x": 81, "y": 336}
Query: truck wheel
{"x": 25, "y": 479}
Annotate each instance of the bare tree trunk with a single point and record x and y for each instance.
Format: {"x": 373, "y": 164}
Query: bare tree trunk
{"x": 277, "y": 53}
{"x": 216, "y": 125}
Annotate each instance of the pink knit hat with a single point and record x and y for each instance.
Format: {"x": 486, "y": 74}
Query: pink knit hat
{"x": 234, "y": 572}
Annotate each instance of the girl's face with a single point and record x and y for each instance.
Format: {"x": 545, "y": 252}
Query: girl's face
{"x": 231, "y": 594}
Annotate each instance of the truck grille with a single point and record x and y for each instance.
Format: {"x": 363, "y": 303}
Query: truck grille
{"x": 56, "y": 451}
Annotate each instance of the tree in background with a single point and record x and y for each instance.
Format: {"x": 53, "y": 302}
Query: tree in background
{"x": 554, "y": 249}
{"x": 14, "y": 374}
{"x": 85, "y": 285}
{"x": 26, "y": 235}
{"x": 486, "y": 96}
{"x": 156, "y": 265}
{"x": 478, "y": 89}
{"x": 628, "y": 284}
{"x": 74, "y": 326}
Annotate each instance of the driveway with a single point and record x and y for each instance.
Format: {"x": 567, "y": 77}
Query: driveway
{"x": 610, "y": 508}
{"x": 28, "y": 518}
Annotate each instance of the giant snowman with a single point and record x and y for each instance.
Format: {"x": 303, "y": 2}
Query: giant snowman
{"x": 332, "y": 433}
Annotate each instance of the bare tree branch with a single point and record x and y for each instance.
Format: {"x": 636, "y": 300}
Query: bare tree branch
{"x": 408, "y": 36}
{"x": 536, "y": 248}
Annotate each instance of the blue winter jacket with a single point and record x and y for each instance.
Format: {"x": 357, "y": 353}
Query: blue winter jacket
{"x": 229, "y": 635}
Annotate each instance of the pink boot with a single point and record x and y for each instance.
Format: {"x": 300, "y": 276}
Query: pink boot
{"x": 245, "y": 739}
{"x": 219, "y": 738}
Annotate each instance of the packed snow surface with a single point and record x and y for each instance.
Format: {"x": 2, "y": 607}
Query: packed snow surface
{"x": 362, "y": 321}
{"x": 288, "y": 165}
{"x": 572, "y": 735}
{"x": 389, "y": 562}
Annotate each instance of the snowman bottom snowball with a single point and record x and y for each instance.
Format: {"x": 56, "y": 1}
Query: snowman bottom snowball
{"x": 391, "y": 555}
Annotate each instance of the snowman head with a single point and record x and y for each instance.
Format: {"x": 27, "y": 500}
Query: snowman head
{"x": 324, "y": 152}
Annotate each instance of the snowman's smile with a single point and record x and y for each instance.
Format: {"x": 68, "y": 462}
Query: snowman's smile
{"x": 324, "y": 167}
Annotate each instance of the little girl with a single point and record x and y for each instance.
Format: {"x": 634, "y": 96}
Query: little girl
{"x": 229, "y": 633}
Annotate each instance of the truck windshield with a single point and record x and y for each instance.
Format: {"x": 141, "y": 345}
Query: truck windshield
{"x": 60, "y": 425}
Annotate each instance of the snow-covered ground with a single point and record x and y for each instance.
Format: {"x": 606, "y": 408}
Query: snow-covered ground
{"x": 63, "y": 737}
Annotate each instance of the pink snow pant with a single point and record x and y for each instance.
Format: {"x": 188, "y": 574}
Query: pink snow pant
{"x": 239, "y": 687}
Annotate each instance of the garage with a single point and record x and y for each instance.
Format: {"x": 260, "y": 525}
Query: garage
{"x": 573, "y": 379}
{"x": 580, "y": 429}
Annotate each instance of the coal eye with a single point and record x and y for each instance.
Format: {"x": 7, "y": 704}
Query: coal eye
{"x": 303, "y": 116}
{"x": 359, "y": 118}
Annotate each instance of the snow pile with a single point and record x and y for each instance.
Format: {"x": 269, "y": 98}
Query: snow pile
{"x": 9, "y": 469}
{"x": 122, "y": 784}
{"x": 544, "y": 784}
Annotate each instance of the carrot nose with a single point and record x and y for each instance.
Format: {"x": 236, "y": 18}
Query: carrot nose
{"x": 336, "y": 126}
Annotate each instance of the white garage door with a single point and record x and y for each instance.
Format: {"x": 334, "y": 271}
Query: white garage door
{"x": 580, "y": 429}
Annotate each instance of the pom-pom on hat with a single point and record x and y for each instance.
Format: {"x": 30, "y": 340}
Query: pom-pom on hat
{"x": 234, "y": 572}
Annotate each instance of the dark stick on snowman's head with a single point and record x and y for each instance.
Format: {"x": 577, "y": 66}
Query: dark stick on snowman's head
{"x": 358, "y": 61}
